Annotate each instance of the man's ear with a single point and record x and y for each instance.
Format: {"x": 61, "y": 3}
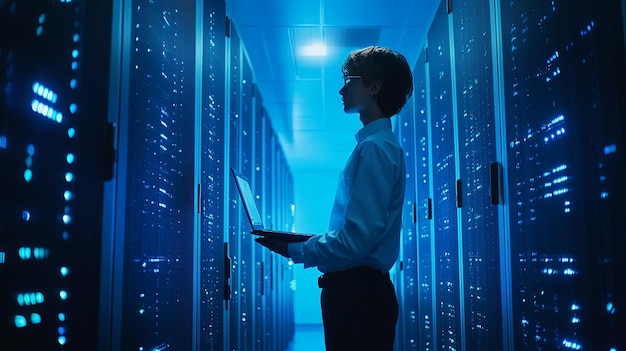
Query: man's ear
{"x": 375, "y": 87}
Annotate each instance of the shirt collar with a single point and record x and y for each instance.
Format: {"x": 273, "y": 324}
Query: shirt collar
{"x": 372, "y": 128}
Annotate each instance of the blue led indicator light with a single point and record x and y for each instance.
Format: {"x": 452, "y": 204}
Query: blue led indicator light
{"x": 35, "y": 318}
{"x": 67, "y": 219}
{"x": 24, "y": 253}
{"x": 29, "y": 161}
{"x": 42, "y": 18}
{"x": 66, "y": 235}
{"x": 3, "y": 142}
{"x": 20, "y": 299}
{"x": 2, "y": 257}
{"x": 65, "y": 271}
{"x": 74, "y": 65}
{"x": 63, "y": 294}
{"x": 39, "y": 297}
{"x": 28, "y": 175}
{"x": 20, "y": 321}
{"x": 61, "y": 330}
{"x": 74, "y": 53}
{"x": 71, "y": 133}
{"x": 76, "y": 38}
{"x": 39, "y": 31}
{"x": 30, "y": 149}
{"x": 69, "y": 177}
{"x": 73, "y": 108}
{"x": 61, "y": 317}
{"x": 67, "y": 195}
{"x": 62, "y": 340}
{"x": 26, "y": 216}
{"x": 70, "y": 158}
{"x": 73, "y": 83}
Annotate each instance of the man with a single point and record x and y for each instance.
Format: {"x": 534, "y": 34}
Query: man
{"x": 359, "y": 306}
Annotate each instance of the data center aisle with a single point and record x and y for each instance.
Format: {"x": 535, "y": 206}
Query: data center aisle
{"x": 308, "y": 337}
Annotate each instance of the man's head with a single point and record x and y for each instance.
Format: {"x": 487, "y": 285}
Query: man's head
{"x": 378, "y": 65}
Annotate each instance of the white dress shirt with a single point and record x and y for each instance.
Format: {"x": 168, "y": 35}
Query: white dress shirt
{"x": 366, "y": 217}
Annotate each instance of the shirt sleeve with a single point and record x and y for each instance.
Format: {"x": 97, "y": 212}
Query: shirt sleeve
{"x": 369, "y": 190}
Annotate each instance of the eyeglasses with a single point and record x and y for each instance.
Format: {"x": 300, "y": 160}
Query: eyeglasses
{"x": 347, "y": 78}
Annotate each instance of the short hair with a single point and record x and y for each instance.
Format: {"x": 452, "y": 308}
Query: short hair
{"x": 390, "y": 67}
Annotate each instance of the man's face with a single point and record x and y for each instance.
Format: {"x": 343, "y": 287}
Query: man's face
{"x": 354, "y": 94}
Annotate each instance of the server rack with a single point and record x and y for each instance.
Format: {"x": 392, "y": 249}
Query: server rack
{"x": 524, "y": 114}
{"x": 55, "y": 157}
{"x": 565, "y": 156}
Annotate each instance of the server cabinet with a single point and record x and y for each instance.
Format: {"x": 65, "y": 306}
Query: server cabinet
{"x": 447, "y": 291}
{"x": 155, "y": 212}
{"x": 423, "y": 206}
{"x": 260, "y": 253}
{"x": 479, "y": 170}
{"x": 246, "y": 268}
{"x": 406, "y": 285}
{"x": 563, "y": 68}
{"x": 235, "y": 157}
{"x": 54, "y": 159}
{"x": 212, "y": 182}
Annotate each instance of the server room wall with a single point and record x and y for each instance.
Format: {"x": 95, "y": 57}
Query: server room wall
{"x": 120, "y": 228}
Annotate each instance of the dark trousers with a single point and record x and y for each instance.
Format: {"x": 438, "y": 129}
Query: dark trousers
{"x": 359, "y": 310}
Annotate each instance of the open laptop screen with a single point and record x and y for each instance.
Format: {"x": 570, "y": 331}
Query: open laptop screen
{"x": 248, "y": 201}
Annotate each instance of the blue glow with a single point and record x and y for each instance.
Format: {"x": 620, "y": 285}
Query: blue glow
{"x": 71, "y": 133}
{"x": 29, "y": 161}
{"x": 73, "y": 108}
{"x": 20, "y": 321}
{"x": 30, "y": 149}
{"x": 74, "y": 53}
{"x": 61, "y": 317}
{"x": 2, "y": 256}
{"x": 575, "y": 320}
{"x": 42, "y": 18}
{"x": 571, "y": 345}
{"x": 3, "y": 142}
{"x": 610, "y": 308}
{"x": 28, "y": 175}
{"x": 141, "y": 311}
{"x": 69, "y": 177}
{"x": 44, "y": 92}
{"x": 46, "y": 111}
{"x": 67, "y": 219}
{"x": 65, "y": 271}
{"x": 66, "y": 235}
{"x": 73, "y": 83}
{"x": 20, "y": 299}
{"x": 61, "y": 330}
{"x": 74, "y": 65}
{"x": 604, "y": 195}
{"x": 63, "y": 294}
{"x": 26, "y": 216}
{"x": 575, "y": 307}
{"x": 62, "y": 340}
{"x": 70, "y": 158}
{"x": 67, "y": 195}
{"x": 610, "y": 149}
{"x": 24, "y": 253}
{"x": 39, "y": 297}
{"x": 76, "y": 38}
{"x": 35, "y": 318}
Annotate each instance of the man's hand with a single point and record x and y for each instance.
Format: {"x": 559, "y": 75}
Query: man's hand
{"x": 276, "y": 245}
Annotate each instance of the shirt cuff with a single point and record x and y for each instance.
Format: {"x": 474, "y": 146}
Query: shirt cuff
{"x": 296, "y": 252}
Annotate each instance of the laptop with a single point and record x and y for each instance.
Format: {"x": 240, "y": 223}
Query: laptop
{"x": 254, "y": 216}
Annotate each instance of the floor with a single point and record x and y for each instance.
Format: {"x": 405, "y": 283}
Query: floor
{"x": 308, "y": 337}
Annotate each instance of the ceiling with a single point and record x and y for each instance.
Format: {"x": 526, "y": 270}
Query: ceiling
{"x": 301, "y": 93}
